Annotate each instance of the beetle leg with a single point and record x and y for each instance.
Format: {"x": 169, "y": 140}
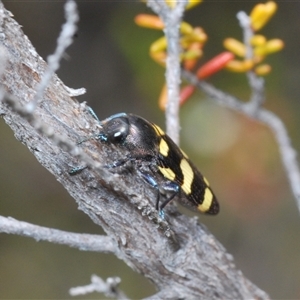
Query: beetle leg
{"x": 169, "y": 186}
{"x": 150, "y": 180}
{"x": 76, "y": 170}
{"x": 173, "y": 187}
{"x": 116, "y": 164}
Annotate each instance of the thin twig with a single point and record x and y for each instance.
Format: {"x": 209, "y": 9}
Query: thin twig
{"x": 172, "y": 19}
{"x": 64, "y": 40}
{"x": 287, "y": 152}
{"x": 245, "y": 23}
{"x": 87, "y": 242}
{"x": 256, "y": 83}
{"x": 109, "y": 288}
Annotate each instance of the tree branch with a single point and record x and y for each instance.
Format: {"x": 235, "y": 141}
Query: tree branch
{"x": 87, "y": 242}
{"x": 178, "y": 255}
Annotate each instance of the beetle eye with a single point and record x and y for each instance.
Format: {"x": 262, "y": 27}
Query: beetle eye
{"x": 117, "y": 130}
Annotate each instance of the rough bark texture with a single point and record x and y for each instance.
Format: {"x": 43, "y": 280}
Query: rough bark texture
{"x": 190, "y": 263}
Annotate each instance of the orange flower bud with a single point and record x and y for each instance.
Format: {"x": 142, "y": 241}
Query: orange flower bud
{"x": 270, "y": 46}
{"x": 186, "y": 92}
{"x": 163, "y": 98}
{"x": 192, "y": 54}
{"x": 159, "y": 45}
{"x": 149, "y": 21}
{"x": 159, "y": 57}
{"x": 260, "y": 51}
{"x": 214, "y": 65}
{"x": 257, "y": 12}
{"x": 185, "y": 28}
{"x": 263, "y": 69}
{"x": 274, "y": 45}
{"x": 235, "y": 46}
{"x": 189, "y": 64}
{"x": 197, "y": 35}
{"x": 192, "y": 3}
{"x": 258, "y": 40}
{"x": 271, "y": 8}
{"x": 261, "y": 14}
{"x": 258, "y": 59}
{"x": 240, "y": 66}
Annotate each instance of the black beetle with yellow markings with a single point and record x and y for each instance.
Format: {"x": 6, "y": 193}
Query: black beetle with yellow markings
{"x": 147, "y": 143}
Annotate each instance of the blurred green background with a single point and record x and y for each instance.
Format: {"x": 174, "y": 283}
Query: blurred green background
{"x": 259, "y": 223}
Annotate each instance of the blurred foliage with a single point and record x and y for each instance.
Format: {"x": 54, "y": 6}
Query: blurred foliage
{"x": 259, "y": 221}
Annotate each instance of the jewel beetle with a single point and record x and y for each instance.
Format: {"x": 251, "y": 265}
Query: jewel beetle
{"x": 148, "y": 144}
